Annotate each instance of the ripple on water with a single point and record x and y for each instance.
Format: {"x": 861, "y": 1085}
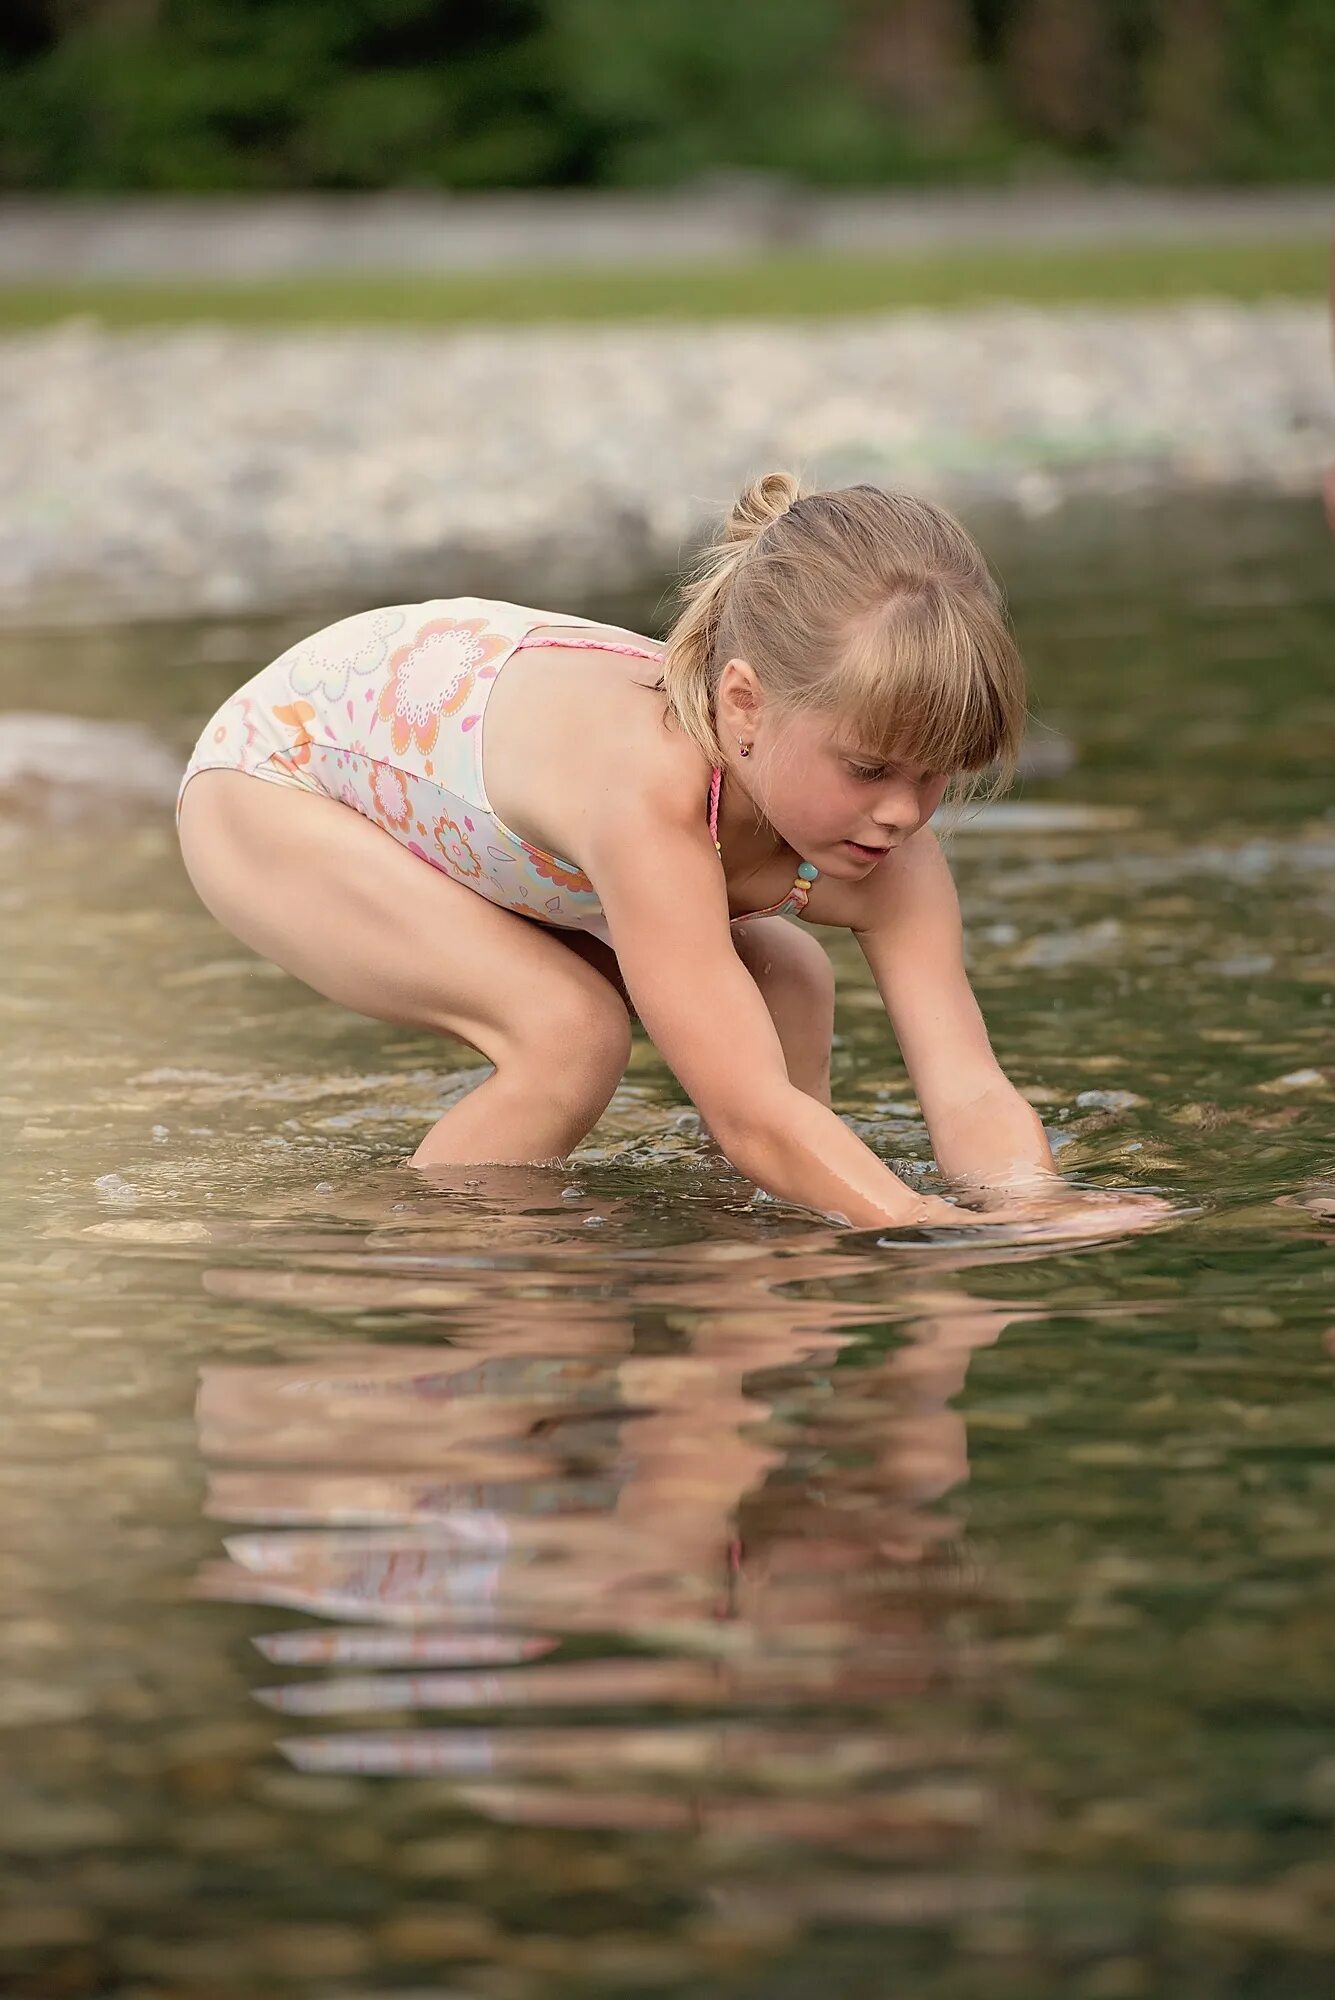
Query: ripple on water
{"x": 435, "y": 1590}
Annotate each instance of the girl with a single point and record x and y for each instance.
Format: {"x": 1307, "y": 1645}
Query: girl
{"x": 461, "y": 829}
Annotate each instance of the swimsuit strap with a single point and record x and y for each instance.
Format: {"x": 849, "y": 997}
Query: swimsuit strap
{"x": 807, "y": 872}
{"x": 588, "y": 646}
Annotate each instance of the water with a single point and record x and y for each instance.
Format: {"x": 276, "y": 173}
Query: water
{"x": 598, "y": 1584}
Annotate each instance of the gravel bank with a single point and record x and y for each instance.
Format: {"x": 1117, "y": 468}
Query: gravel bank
{"x": 221, "y": 470}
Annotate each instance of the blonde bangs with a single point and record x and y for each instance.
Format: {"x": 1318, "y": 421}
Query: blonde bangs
{"x": 875, "y": 609}
{"x": 920, "y": 682}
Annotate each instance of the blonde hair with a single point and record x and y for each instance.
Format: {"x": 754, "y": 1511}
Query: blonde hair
{"x": 870, "y": 606}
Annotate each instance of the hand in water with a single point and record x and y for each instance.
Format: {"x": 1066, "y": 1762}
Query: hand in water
{"x": 1088, "y": 1214}
{"x": 1053, "y": 1210}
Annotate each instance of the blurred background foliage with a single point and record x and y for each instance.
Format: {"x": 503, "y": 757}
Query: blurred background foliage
{"x": 215, "y": 95}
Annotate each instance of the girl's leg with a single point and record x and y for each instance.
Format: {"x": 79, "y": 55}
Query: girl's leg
{"x": 796, "y": 981}
{"x": 321, "y": 891}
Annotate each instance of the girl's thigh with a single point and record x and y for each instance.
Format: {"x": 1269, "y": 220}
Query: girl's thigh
{"x": 333, "y": 899}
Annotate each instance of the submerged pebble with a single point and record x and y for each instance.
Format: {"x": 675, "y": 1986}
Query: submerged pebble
{"x": 112, "y": 1187}
{"x": 40, "y": 1926}
{"x": 1071, "y": 947}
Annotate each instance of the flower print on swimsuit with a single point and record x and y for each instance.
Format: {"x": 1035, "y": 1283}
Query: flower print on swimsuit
{"x": 547, "y": 866}
{"x": 326, "y": 664}
{"x": 356, "y": 781}
{"x": 390, "y": 796}
{"x": 433, "y": 675}
{"x": 453, "y": 844}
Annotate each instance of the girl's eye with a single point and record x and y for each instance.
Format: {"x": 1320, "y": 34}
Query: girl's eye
{"x": 872, "y": 774}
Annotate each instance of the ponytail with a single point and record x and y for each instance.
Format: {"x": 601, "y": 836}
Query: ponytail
{"x": 700, "y": 642}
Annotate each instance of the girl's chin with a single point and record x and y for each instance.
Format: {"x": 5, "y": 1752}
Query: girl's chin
{"x": 843, "y": 857}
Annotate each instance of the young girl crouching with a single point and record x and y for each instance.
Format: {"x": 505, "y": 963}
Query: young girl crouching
{"x": 501, "y": 823}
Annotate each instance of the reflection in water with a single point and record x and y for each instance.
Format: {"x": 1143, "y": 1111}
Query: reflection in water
{"x": 707, "y": 1502}
{"x": 746, "y": 1683}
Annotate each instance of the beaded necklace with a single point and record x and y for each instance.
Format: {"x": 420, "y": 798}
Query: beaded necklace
{"x": 807, "y": 871}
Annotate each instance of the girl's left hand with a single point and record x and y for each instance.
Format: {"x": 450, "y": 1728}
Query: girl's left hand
{"x": 1063, "y": 1212}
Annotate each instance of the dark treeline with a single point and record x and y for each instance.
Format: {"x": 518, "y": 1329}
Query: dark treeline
{"x": 253, "y": 94}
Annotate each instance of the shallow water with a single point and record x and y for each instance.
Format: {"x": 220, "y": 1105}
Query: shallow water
{"x": 599, "y": 1583}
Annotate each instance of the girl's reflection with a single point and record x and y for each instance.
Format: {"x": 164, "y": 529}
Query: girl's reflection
{"x": 702, "y": 1479}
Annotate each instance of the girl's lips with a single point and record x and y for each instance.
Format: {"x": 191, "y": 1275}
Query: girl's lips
{"x": 867, "y": 853}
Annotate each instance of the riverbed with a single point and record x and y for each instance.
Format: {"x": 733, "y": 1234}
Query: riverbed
{"x": 593, "y": 1582}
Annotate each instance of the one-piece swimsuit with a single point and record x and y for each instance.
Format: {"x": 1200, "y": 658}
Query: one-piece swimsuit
{"x": 385, "y": 712}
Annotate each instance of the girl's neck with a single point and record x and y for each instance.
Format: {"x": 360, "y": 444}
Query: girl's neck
{"x": 746, "y": 839}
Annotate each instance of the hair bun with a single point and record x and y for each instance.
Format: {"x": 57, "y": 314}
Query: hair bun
{"x": 762, "y": 501}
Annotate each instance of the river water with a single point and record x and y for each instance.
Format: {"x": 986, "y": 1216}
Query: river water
{"x": 591, "y": 1582}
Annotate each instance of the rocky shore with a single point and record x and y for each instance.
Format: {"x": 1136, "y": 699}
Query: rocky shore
{"x": 219, "y": 470}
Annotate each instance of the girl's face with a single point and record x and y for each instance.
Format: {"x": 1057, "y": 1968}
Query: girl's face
{"x": 837, "y": 802}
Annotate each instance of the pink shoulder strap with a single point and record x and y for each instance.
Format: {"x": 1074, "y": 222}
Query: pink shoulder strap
{"x": 588, "y": 646}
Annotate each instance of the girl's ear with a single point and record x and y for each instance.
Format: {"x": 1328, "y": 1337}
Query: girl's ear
{"x": 740, "y": 696}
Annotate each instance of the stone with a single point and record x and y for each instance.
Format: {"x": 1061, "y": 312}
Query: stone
{"x": 314, "y": 1951}
{"x": 432, "y": 1931}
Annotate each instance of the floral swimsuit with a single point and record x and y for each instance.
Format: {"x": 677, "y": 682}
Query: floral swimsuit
{"x": 384, "y": 712}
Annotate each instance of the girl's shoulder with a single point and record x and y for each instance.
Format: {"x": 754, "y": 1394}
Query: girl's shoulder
{"x": 526, "y": 622}
{"x": 502, "y": 615}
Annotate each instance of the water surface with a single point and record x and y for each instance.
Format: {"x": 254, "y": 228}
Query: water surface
{"x": 599, "y": 1583}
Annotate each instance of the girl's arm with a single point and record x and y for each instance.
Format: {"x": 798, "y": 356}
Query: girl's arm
{"x": 981, "y": 1129}
{"x": 665, "y": 900}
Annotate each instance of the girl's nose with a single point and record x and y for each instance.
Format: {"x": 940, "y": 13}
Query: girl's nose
{"x": 899, "y": 809}
{"x": 905, "y": 807}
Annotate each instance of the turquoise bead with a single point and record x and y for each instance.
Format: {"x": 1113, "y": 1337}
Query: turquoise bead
{"x": 807, "y": 871}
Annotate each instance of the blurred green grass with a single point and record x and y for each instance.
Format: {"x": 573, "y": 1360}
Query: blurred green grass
{"x": 779, "y": 286}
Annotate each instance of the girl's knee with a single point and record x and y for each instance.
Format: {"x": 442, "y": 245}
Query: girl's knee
{"x": 812, "y": 973}
{"x": 575, "y": 1041}
{"x": 791, "y": 962}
